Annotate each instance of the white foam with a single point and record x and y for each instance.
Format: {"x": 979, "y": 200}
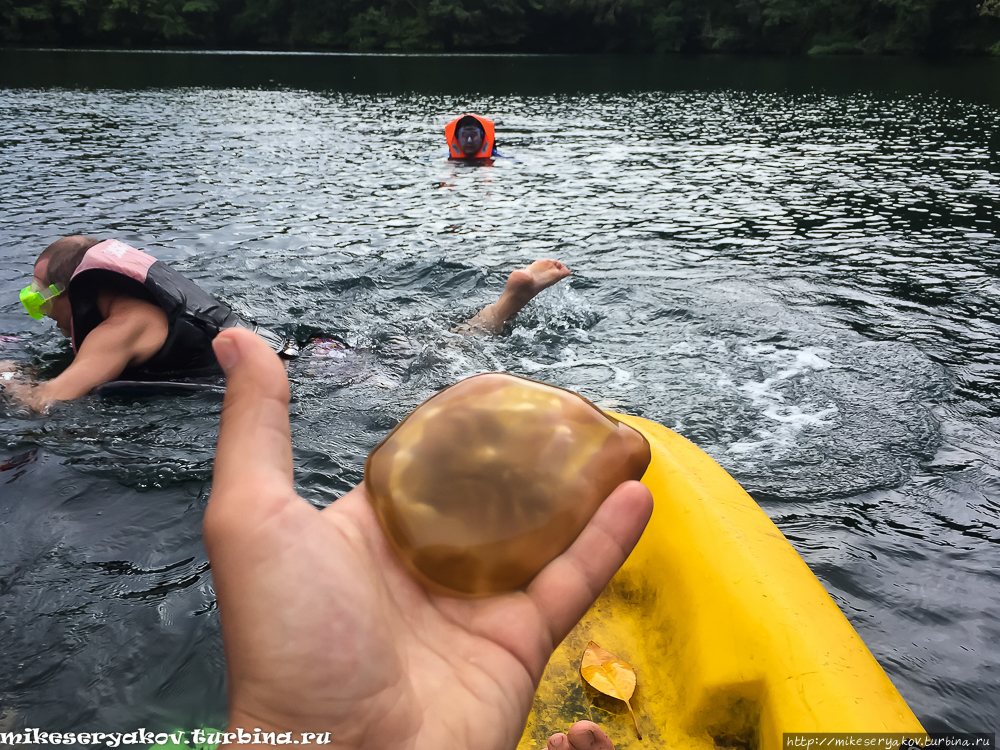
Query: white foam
{"x": 795, "y": 416}
{"x": 621, "y": 376}
{"x": 790, "y": 419}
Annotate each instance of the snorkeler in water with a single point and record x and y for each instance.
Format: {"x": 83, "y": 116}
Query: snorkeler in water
{"x": 131, "y": 317}
{"x": 471, "y": 138}
{"x": 128, "y": 316}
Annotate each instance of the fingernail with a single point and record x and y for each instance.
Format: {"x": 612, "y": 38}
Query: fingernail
{"x": 226, "y": 352}
{"x": 591, "y": 740}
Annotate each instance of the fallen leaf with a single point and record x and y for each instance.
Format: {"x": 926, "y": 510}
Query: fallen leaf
{"x": 610, "y": 675}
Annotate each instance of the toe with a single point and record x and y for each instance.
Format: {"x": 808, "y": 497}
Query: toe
{"x": 586, "y": 735}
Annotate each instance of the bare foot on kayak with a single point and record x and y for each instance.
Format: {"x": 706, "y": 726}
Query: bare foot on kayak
{"x": 584, "y": 735}
{"x": 522, "y": 286}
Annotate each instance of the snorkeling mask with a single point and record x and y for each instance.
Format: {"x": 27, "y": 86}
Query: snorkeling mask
{"x": 37, "y": 299}
{"x": 470, "y": 133}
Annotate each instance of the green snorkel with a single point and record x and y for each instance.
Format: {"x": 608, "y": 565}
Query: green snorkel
{"x": 36, "y": 298}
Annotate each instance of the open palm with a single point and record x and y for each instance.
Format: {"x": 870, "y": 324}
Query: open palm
{"x": 325, "y": 632}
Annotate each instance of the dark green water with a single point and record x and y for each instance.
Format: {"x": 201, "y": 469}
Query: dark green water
{"x": 794, "y": 263}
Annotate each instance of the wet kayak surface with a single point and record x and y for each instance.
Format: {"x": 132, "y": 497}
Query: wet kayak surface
{"x": 798, "y": 269}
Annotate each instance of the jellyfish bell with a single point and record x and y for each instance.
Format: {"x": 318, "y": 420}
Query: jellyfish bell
{"x": 486, "y": 482}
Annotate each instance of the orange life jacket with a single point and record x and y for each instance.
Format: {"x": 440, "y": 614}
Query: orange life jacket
{"x": 455, "y": 150}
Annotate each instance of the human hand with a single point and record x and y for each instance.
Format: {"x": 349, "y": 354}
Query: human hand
{"x": 324, "y": 630}
{"x": 14, "y": 384}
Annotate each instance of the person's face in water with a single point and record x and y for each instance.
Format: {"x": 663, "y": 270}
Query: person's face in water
{"x": 470, "y": 139}
{"x": 58, "y": 309}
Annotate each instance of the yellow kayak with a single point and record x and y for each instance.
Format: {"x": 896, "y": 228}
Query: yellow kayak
{"x": 733, "y": 639}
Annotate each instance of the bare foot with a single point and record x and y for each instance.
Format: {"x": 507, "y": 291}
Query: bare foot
{"x": 584, "y": 735}
{"x": 522, "y": 285}
{"x": 525, "y": 283}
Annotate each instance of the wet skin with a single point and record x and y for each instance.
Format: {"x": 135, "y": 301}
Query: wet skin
{"x": 132, "y": 331}
{"x": 470, "y": 140}
{"x": 522, "y": 286}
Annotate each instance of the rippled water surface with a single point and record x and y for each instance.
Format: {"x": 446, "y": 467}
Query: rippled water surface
{"x": 797, "y": 268}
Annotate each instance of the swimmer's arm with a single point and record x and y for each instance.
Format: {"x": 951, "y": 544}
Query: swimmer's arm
{"x": 100, "y": 359}
{"x": 129, "y": 336}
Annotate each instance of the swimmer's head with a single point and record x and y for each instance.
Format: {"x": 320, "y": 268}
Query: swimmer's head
{"x": 55, "y": 267}
{"x": 470, "y": 134}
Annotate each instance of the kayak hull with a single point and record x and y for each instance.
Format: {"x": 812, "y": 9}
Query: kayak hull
{"x": 734, "y": 641}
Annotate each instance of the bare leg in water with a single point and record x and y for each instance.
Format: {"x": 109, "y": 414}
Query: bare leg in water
{"x": 522, "y": 285}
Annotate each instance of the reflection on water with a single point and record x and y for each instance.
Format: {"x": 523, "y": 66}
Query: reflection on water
{"x": 803, "y": 282}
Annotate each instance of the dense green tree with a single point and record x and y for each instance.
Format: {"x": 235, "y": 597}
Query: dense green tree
{"x": 741, "y": 26}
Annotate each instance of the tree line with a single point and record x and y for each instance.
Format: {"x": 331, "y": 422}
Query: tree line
{"x": 791, "y": 27}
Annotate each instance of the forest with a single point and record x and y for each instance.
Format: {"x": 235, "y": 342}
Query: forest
{"x": 782, "y": 27}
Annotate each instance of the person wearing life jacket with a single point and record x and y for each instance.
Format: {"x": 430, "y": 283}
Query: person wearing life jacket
{"x": 128, "y": 316}
{"x": 132, "y": 317}
{"x": 471, "y": 137}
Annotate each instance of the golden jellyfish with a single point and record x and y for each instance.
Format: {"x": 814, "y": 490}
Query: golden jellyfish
{"x": 486, "y": 482}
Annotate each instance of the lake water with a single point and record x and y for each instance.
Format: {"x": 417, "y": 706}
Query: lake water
{"x": 793, "y": 263}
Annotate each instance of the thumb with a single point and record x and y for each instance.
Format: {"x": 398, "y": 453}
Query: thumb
{"x": 252, "y": 478}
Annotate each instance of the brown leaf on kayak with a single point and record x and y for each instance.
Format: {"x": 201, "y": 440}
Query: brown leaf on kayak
{"x": 608, "y": 674}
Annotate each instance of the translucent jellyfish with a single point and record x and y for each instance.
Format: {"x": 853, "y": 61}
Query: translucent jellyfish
{"x": 486, "y": 482}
